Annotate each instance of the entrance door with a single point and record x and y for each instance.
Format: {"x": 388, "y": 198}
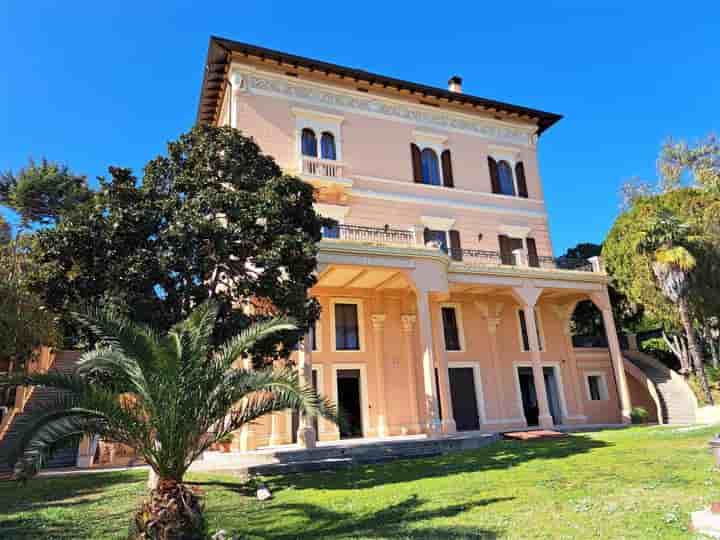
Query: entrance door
{"x": 348, "y": 395}
{"x": 553, "y": 394}
{"x": 529, "y": 396}
{"x": 464, "y": 398}
{"x": 296, "y": 417}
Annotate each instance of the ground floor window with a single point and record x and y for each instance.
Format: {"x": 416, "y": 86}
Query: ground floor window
{"x": 450, "y": 329}
{"x": 597, "y": 387}
{"x": 347, "y": 331}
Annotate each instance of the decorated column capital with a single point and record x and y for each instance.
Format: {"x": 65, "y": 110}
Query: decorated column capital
{"x": 378, "y": 321}
{"x": 408, "y": 322}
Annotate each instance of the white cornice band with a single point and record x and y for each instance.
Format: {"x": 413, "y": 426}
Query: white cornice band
{"x": 274, "y": 85}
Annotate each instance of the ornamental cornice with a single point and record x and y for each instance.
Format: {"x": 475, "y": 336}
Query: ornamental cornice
{"x": 308, "y": 93}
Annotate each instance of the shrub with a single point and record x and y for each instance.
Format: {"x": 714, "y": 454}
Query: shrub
{"x": 639, "y": 415}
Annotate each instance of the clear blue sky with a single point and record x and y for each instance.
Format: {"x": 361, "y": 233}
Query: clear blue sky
{"x": 94, "y": 84}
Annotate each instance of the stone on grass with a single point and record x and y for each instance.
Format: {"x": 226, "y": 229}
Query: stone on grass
{"x": 705, "y": 522}
{"x": 263, "y": 493}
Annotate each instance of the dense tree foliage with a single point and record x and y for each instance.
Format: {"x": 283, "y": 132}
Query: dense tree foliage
{"x": 587, "y": 318}
{"x": 214, "y": 218}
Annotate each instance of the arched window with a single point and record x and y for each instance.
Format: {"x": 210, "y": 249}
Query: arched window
{"x": 309, "y": 143}
{"x": 430, "y": 168}
{"x": 327, "y": 146}
{"x": 505, "y": 177}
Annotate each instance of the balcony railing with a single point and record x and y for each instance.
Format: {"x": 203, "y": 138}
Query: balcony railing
{"x": 386, "y": 236}
{"x": 321, "y": 167}
{"x": 370, "y": 235}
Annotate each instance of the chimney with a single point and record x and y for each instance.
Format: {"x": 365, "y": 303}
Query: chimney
{"x": 455, "y": 84}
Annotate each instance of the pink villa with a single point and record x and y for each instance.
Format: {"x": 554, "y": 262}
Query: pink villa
{"x": 443, "y": 308}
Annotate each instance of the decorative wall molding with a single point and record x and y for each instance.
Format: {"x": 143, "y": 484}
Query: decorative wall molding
{"x": 262, "y": 83}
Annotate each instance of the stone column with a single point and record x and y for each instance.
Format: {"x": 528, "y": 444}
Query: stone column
{"x": 378, "y": 324}
{"x": 493, "y": 319}
{"x": 408, "y": 327}
{"x": 602, "y": 301}
{"x": 528, "y": 297}
{"x": 276, "y": 437}
{"x": 564, "y": 313}
{"x": 247, "y": 440}
{"x": 433, "y": 426}
{"x": 306, "y": 435}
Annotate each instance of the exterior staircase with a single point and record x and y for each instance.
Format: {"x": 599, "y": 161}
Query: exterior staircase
{"x": 33, "y": 399}
{"x": 677, "y": 401}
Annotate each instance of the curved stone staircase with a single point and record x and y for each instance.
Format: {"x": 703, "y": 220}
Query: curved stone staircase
{"x": 64, "y": 362}
{"x": 677, "y": 401}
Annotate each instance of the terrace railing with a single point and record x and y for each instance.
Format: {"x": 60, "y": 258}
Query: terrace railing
{"x": 322, "y": 167}
{"x": 370, "y": 235}
{"x": 387, "y": 236}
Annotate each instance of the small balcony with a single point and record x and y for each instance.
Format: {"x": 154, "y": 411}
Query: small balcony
{"x": 324, "y": 168}
{"x": 413, "y": 238}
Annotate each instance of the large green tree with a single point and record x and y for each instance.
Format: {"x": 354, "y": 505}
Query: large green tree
{"x": 213, "y": 218}
{"x": 169, "y": 396}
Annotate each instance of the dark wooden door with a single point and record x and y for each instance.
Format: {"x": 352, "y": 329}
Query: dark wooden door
{"x": 464, "y": 399}
{"x": 349, "y": 403}
{"x": 529, "y": 396}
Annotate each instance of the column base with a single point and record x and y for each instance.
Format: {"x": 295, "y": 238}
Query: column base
{"x": 546, "y": 422}
{"x": 449, "y": 426}
{"x": 433, "y": 429}
{"x": 306, "y": 437}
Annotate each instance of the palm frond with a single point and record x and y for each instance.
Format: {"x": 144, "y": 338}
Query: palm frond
{"x": 235, "y": 347}
{"x": 123, "y": 371}
{"x": 197, "y": 330}
{"x": 676, "y": 256}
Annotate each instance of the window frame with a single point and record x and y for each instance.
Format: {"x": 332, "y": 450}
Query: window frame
{"x": 458, "y": 322}
{"x": 361, "y": 324}
{"x": 513, "y": 180}
{"x": 334, "y": 145}
{"x": 512, "y": 157}
{"x": 538, "y": 323}
{"x": 438, "y": 168}
{"x": 302, "y": 140}
{"x": 602, "y": 388}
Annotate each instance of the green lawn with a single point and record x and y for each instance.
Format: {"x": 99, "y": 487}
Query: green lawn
{"x": 635, "y": 483}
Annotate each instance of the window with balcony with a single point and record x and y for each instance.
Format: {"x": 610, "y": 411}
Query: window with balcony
{"x": 309, "y": 143}
{"x": 327, "y": 146}
{"x": 506, "y": 181}
{"x": 427, "y": 167}
{"x": 508, "y": 247}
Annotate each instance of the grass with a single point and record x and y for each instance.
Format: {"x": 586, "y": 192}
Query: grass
{"x": 634, "y": 483}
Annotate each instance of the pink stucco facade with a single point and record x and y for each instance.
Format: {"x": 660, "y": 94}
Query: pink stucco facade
{"x": 428, "y": 338}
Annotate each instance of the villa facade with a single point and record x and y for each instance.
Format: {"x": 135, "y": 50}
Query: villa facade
{"x": 443, "y": 308}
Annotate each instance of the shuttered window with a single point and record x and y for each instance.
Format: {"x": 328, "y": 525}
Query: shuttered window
{"x": 416, "y": 163}
{"x": 430, "y": 235}
{"x": 347, "y": 332}
{"x": 520, "y": 177}
{"x": 450, "y": 329}
{"x": 533, "y": 259}
{"x": 507, "y": 246}
{"x": 430, "y": 167}
{"x": 455, "y": 247}
{"x": 447, "y": 169}
{"x": 494, "y": 179}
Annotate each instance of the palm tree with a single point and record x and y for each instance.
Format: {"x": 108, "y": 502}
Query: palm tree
{"x": 672, "y": 265}
{"x": 169, "y": 397}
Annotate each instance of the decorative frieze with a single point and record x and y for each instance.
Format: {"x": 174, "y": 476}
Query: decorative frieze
{"x": 312, "y": 94}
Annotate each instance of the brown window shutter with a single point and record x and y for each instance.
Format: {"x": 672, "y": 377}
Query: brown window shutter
{"x": 455, "y": 247}
{"x": 506, "y": 256}
{"x": 416, "y": 163}
{"x": 447, "y": 169}
{"x": 533, "y": 259}
{"x": 494, "y": 178}
{"x": 521, "y": 182}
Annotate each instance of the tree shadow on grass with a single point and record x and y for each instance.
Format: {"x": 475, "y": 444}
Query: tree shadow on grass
{"x": 52, "y": 507}
{"x": 400, "y": 520}
{"x": 498, "y": 456}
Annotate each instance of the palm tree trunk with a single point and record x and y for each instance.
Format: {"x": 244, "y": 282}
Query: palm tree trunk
{"x": 694, "y": 350}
